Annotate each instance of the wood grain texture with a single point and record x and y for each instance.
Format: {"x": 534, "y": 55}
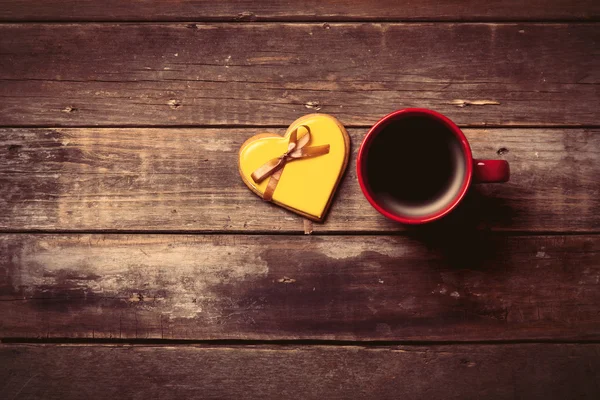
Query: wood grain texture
{"x": 303, "y": 10}
{"x": 530, "y": 371}
{"x": 187, "y": 180}
{"x": 420, "y": 287}
{"x": 268, "y": 74}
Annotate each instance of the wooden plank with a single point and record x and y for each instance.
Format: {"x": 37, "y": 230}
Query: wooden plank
{"x": 529, "y": 371}
{"x": 269, "y": 74}
{"x": 456, "y": 287}
{"x": 187, "y": 180}
{"x": 303, "y": 10}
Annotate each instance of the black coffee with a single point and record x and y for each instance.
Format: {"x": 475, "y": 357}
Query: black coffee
{"x": 415, "y": 166}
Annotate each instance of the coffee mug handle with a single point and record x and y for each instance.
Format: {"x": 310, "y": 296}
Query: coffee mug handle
{"x": 490, "y": 171}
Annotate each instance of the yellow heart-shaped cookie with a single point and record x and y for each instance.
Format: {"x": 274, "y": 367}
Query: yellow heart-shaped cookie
{"x": 306, "y": 185}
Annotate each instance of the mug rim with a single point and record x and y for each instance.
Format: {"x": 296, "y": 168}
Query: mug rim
{"x": 377, "y": 128}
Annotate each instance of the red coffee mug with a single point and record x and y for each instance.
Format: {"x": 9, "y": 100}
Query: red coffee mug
{"x": 415, "y": 166}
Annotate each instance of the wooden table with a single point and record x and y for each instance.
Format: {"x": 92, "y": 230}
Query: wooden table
{"x": 134, "y": 263}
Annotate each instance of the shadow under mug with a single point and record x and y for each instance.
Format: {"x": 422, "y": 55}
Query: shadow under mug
{"x": 415, "y": 166}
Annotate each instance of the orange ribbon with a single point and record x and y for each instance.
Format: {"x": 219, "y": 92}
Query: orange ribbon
{"x": 274, "y": 168}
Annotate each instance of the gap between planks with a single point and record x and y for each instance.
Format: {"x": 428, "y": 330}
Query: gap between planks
{"x": 279, "y": 126}
{"x": 300, "y": 232}
{"x": 311, "y": 21}
{"x": 283, "y": 343}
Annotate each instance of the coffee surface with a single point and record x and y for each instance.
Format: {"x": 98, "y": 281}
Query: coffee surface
{"x": 415, "y": 166}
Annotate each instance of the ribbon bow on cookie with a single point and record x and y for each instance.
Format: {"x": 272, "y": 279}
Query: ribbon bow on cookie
{"x": 296, "y": 149}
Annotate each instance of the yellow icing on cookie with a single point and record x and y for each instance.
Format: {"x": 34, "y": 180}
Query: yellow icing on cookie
{"x": 306, "y": 185}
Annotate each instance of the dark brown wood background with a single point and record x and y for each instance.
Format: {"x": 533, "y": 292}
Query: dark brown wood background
{"x": 134, "y": 263}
